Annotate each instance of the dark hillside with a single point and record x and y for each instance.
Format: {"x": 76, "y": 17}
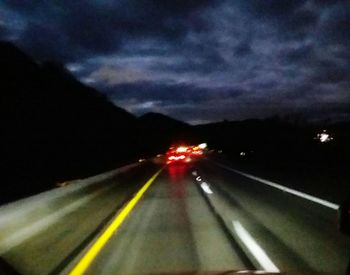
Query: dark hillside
{"x": 160, "y": 131}
{"x": 54, "y": 127}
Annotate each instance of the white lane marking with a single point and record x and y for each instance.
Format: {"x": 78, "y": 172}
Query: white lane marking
{"x": 22, "y": 208}
{"x": 25, "y": 233}
{"x": 206, "y": 188}
{"x": 258, "y": 253}
{"x": 284, "y": 188}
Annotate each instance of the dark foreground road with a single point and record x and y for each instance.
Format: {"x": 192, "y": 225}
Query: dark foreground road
{"x": 193, "y": 217}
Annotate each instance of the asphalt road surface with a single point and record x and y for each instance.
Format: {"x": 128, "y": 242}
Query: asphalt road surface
{"x": 200, "y": 216}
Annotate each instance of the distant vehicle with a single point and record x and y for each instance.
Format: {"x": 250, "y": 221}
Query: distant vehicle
{"x": 180, "y": 154}
{"x": 246, "y": 154}
{"x": 197, "y": 151}
{"x": 185, "y": 153}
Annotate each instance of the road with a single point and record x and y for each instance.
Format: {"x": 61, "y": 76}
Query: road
{"x": 200, "y": 216}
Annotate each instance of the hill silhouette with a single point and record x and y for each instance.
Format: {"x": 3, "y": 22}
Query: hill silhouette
{"x": 159, "y": 131}
{"x": 54, "y": 127}
{"x": 162, "y": 122}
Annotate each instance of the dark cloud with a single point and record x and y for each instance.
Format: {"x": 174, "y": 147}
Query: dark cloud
{"x": 92, "y": 27}
{"x": 276, "y": 8}
{"x": 293, "y": 20}
{"x": 300, "y": 54}
{"x": 198, "y": 60}
{"x": 243, "y": 48}
{"x": 176, "y": 93}
{"x": 184, "y": 102}
{"x": 335, "y": 26}
{"x": 3, "y": 33}
{"x": 301, "y": 22}
{"x": 48, "y": 45}
{"x": 331, "y": 72}
{"x": 24, "y": 6}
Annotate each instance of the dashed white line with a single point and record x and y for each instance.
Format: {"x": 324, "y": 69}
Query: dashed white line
{"x": 206, "y": 188}
{"x": 254, "y": 248}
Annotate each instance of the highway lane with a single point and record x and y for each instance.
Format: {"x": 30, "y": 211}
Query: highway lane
{"x": 42, "y": 235}
{"x": 172, "y": 229}
{"x": 297, "y": 234}
{"x": 193, "y": 217}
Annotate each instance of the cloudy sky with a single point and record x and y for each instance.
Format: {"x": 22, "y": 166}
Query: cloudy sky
{"x": 197, "y": 60}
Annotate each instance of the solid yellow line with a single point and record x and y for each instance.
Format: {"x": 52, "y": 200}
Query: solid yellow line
{"x": 91, "y": 254}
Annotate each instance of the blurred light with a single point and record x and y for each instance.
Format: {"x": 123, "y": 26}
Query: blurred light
{"x": 202, "y": 145}
{"x": 176, "y": 157}
{"x": 177, "y": 172}
{"x": 242, "y": 154}
{"x": 324, "y": 137}
{"x": 181, "y": 149}
{"x": 141, "y": 160}
{"x": 198, "y": 178}
{"x": 194, "y": 173}
{"x": 206, "y": 188}
{"x": 197, "y": 152}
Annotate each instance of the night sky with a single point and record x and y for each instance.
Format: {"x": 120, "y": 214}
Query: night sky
{"x": 197, "y": 60}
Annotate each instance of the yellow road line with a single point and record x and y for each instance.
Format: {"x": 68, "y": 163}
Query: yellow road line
{"x": 95, "y": 249}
